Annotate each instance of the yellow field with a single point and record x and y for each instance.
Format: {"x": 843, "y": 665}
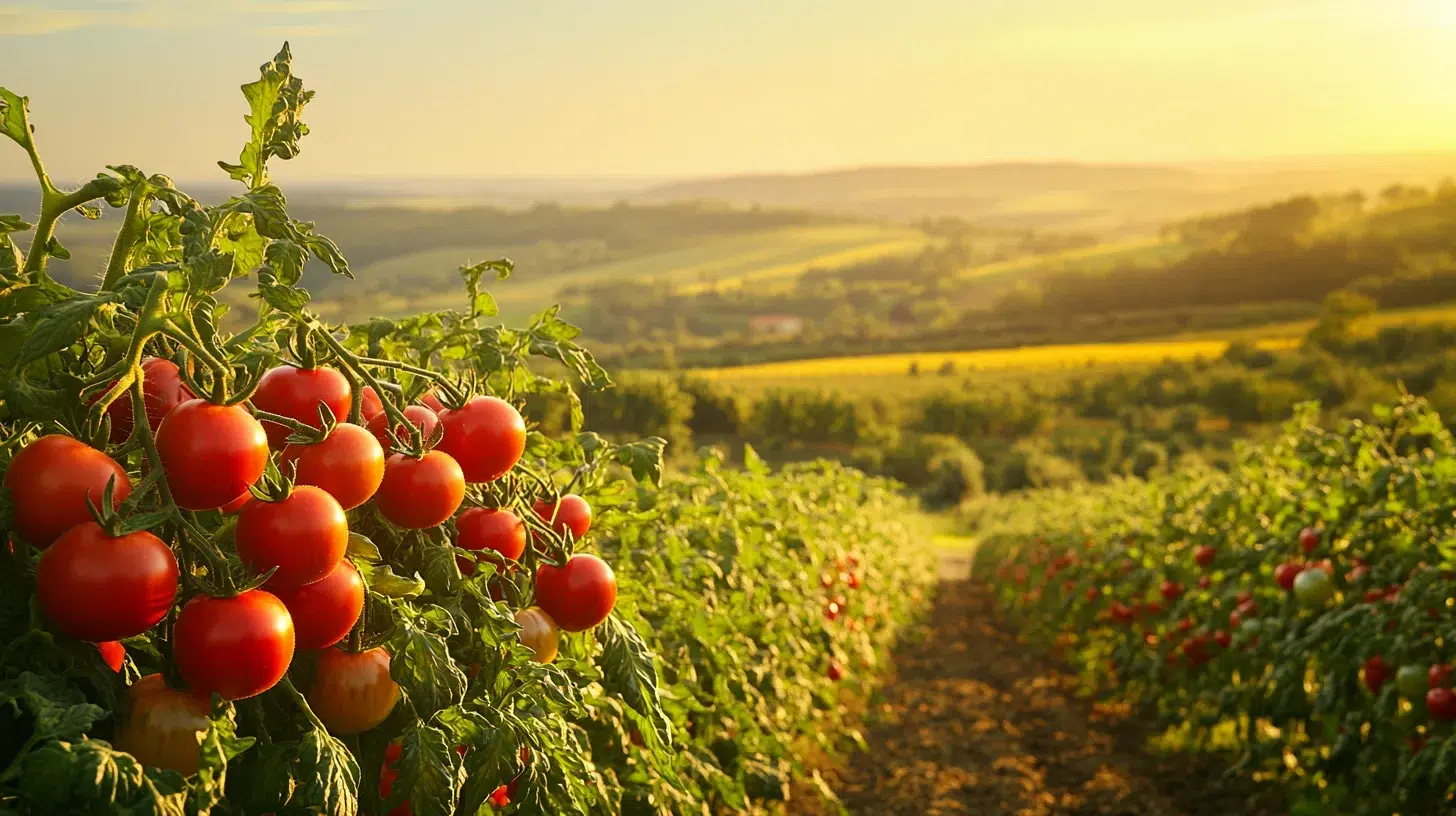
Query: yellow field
{"x": 1033, "y": 357}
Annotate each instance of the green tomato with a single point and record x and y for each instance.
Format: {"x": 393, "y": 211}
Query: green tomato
{"x": 1411, "y": 680}
{"x": 1313, "y": 588}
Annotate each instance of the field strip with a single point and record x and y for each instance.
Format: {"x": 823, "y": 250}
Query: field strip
{"x": 1027, "y": 357}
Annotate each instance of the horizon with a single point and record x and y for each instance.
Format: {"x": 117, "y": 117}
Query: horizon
{"x": 651, "y": 89}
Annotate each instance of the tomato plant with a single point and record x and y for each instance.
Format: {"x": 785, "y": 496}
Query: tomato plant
{"x": 1341, "y": 656}
{"x": 401, "y": 665}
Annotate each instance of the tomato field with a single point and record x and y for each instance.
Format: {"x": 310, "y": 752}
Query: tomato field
{"x": 258, "y": 563}
{"x": 1297, "y": 609}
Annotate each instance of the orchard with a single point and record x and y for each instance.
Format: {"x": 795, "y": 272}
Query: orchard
{"x": 1318, "y": 643}
{"x": 258, "y": 563}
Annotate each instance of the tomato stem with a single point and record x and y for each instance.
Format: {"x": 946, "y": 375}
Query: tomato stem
{"x": 140, "y": 201}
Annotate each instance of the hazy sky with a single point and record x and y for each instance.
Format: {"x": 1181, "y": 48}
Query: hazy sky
{"x": 673, "y": 87}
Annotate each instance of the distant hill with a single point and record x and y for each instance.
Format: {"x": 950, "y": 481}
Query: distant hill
{"x": 1110, "y": 199}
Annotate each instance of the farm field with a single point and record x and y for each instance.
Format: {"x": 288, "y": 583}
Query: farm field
{"x": 890, "y": 370}
{"x": 727, "y": 261}
{"x": 1366, "y": 326}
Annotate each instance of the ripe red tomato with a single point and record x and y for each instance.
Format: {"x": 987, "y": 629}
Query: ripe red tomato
{"x": 1309, "y": 539}
{"x": 1377, "y": 672}
{"x": 95, "y": 587}
{"x": 370, "y": 406}
{"x": 1171, "y": 591}
{"x": 481, "y": 528}
{"x": 348, "y": 465}
{"x": 429, "y": 400}
{"x": 418, "y": 416}
{"x": 826, "y": 580}
{"x": 324, "y": 611}
{"x": 162, "y": 390}
{"x": 832, "y": 611}
{"x": 113, "y": 653}
{"x": 352, "y": 691}
{"x": 419, "y": 493}
{"x": 1284, "y": 575}
{"x": 539, "y": 633}
{"x": 853, "y": 582}
{"x": 296, "y": 393}
{"x": 1223, "y": 639}
{"x": 485, "y": 435}
{"x": 1441, "y": 703}
{"x": 303, "y": 535}
{"x": 835, "y": 673}
{"x": 570, "y": 513}
{"x": 238, "y": 647}
{"x": 500, "y": 797}
{"x": 1439, "y": 675}
{"x": 211, "y": 453}
{"x": 49, "y": 481}
{"x": 1204, "y": 555}
{"x": 579, "y": 594}
{"x": 1204, "y": 582}
{"x": 1243, "y": 597}
{"x": 1091, "y": 594}
{"x": 163, "y": 726}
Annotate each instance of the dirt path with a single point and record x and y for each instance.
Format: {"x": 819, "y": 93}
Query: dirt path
{"x": 975, "y": 725}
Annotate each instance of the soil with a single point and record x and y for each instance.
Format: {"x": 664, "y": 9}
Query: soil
{"x": 975, "y": 723}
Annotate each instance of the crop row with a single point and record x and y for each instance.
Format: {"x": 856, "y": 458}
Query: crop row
{"x": 1296, "y": 609}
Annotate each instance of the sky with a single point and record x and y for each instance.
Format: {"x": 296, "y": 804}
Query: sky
{"x": 670, "y": 88}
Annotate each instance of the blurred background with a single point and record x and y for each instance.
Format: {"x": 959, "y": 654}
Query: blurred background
{"x": 977, "y": 246}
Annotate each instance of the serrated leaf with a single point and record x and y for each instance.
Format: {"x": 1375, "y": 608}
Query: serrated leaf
{"x": 328, "y": 776}
{"x": 441, "y": 573}
{"x": 430, "y": 772}
{"x": 275, "y": 102}
{"x": 286, "y": 299}
{"x": 59, "y": 326}
{"x": 629, "y": 670}
{"x": 92, "y": 777}
{"x": 644, "y": 458}
{"x": 422, "y": 667}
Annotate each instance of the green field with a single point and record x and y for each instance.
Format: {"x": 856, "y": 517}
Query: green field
{"x": 718, "y": 261}
{"x": 1444, "y": 313}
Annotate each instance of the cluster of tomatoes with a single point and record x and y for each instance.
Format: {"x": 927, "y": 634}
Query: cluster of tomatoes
{"x": 99, "y": 580}
{"x": 836, "y": 605}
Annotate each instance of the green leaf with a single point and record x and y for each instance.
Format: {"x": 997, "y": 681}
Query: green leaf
{"x": 644, "y": 458}
{"x": 220, "y": 745}
{"x": 60, "y": 712}
{"x": 328, "y": 776}
{"x": 275, "y": 103}
{"x": 59, "y": 326}
{"x": 14, "y": 117}
{"x": 430, "y": 772}
{"x": 286, "y": 259}
{"x": 382, "y": 580}
{"x": 629, "y": 671}
{"x": 55, "y": 250}
{"x": 424, "y": 670}
{"x": 361, "y": 548}
{"x": 753, "y": 463}
{"x": 25, "y": 297}
{"x": 92, "y": 777}
{"x": 442, "y": 574}
{"x": 9, "y": 222}
{"x": 38, "y": 402}
{"x": 286, "y": 299}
